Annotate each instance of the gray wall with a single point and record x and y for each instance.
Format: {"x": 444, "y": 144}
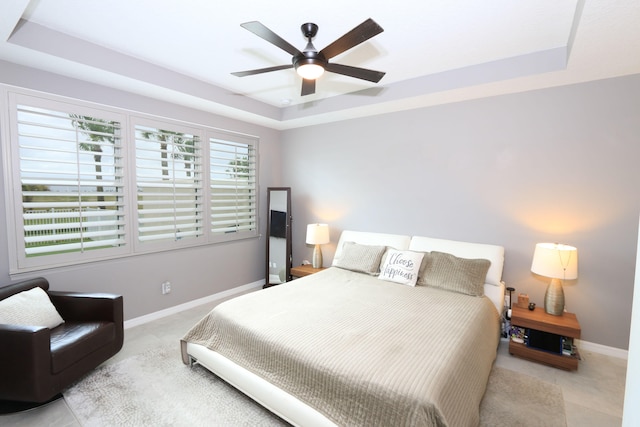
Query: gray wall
{"x": 549, "y": 165}
{"x": 195, "y": 272}
{"x": 558, "y": 165}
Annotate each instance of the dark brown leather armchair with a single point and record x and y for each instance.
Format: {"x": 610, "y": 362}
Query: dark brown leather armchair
{"x": 37, "y": 363}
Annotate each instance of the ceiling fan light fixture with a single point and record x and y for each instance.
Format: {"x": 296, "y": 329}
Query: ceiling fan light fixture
{"x": 310, "y": 64}
{"x": 309, "y": 70}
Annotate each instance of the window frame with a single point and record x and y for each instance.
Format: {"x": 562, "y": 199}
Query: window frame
{"x": 20, "y": 263}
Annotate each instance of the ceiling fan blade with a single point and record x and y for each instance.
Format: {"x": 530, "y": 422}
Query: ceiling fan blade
{"x": 359, "y": 34}
{"x": 308, "y": 87}
{"x": 358, "y": 73}
{"x": 261, "y": 70}
{"x": 260, "y": 30}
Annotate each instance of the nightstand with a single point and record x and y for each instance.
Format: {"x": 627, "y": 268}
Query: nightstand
{"x": 547, "y": 330}
{"x": 304, "y": 270}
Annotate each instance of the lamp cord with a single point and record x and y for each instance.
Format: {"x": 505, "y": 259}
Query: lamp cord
{"x": 563, "y": 265}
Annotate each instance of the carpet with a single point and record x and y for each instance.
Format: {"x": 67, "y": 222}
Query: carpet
{"x": 156, "y": 389}
{"x": 514, "y": 399}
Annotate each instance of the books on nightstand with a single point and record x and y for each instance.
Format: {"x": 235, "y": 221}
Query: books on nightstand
{"x": 568, "y": 349}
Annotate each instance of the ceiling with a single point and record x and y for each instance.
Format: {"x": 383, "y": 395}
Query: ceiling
{"x": 433, "y": 52}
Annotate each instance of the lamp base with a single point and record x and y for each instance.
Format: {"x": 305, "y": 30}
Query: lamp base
{"x": 554, "y": 298}
{"x": 316, "y": 261}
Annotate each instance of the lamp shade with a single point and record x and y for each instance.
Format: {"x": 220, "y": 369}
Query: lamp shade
{"x": 317, "y": 234}
{"x": 310, "y": 71}
{"x": 555, "y": 260}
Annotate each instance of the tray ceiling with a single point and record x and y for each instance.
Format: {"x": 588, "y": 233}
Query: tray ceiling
{"x": 432, "y": 52}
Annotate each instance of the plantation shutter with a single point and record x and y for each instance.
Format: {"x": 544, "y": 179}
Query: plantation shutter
{"x": 233, "y": 186}
{"x": 169, "y": 185}
{"x": 70, "y": 170}
{"x": 90, "y": 183}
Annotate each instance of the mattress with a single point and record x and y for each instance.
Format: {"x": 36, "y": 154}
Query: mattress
{"x": 359, "y": 350}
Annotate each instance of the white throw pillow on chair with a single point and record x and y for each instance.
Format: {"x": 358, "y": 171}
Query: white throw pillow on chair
{"x": 30, "y": 308}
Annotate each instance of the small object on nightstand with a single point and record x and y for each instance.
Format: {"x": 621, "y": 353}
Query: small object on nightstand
{"x": 516, "y": 334}
{"x": 510, "y": 289}
{"x": 532, "y": 306}
{"x": 523, "y": 300}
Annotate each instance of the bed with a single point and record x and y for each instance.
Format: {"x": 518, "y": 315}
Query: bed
{"x": 357, "y": 345}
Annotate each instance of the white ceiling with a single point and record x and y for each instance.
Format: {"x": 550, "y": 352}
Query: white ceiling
{"x": 433, "y": 52}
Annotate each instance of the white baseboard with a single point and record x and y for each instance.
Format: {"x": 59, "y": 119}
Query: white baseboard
{"x": 136, "y": 321}
{"x": 603, "y": 349}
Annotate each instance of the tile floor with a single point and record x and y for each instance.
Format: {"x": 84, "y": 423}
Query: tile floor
{"x": 593, "y": 395}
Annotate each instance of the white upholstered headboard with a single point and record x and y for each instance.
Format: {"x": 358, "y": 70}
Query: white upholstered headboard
{"x": 493, "y": 289}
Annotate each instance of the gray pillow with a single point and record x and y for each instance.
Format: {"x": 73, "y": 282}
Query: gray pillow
{"x": 361, "y": 258}
{"x": 446, "y": 271}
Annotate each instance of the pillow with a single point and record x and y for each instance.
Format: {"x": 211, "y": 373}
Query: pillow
{"x": 361, "y": 258}
{"x": 401, "y": 266}
{"x": 446, "y": 271}
{"x": 30, "y": 308}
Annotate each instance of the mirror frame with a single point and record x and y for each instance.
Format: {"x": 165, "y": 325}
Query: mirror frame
{"x": 288, "y": 219}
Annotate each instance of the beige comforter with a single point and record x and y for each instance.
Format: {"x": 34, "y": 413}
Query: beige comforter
{"x": 360, "y": 350}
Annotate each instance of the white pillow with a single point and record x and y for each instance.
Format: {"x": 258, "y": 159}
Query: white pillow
{"x": 30, "y": 308}
{"x": 401, "y": 267}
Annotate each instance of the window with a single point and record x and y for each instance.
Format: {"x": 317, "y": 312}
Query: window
{"x": 233, "y": 186}
{"x": 169, "y": 184}
{"x": 89, "y": 183}
{"x": 69, "y": 173}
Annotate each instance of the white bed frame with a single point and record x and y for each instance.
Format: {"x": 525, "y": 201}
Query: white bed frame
{"x": 294, "y": 410}
{"x": 266, "y": 394}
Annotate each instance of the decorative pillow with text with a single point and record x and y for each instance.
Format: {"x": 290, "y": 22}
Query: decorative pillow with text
{"x": 401, "y": 267}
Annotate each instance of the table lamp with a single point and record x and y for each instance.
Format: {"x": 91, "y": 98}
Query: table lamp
{"x": 559, "y": 262}
{"x": 317, "y": 234}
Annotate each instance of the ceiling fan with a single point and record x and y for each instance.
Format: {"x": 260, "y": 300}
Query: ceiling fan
{"x": 311, "y": 64}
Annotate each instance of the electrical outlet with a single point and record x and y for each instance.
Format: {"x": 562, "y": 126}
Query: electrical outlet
{"x": 166, "y": 287}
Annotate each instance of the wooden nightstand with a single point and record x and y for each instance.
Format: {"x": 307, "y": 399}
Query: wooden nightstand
{"x": 304, "y": 270}
{"x": 539, "y": 321}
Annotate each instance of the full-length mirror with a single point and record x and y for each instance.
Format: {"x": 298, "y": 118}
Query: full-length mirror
{"x": 278, "y": 235}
